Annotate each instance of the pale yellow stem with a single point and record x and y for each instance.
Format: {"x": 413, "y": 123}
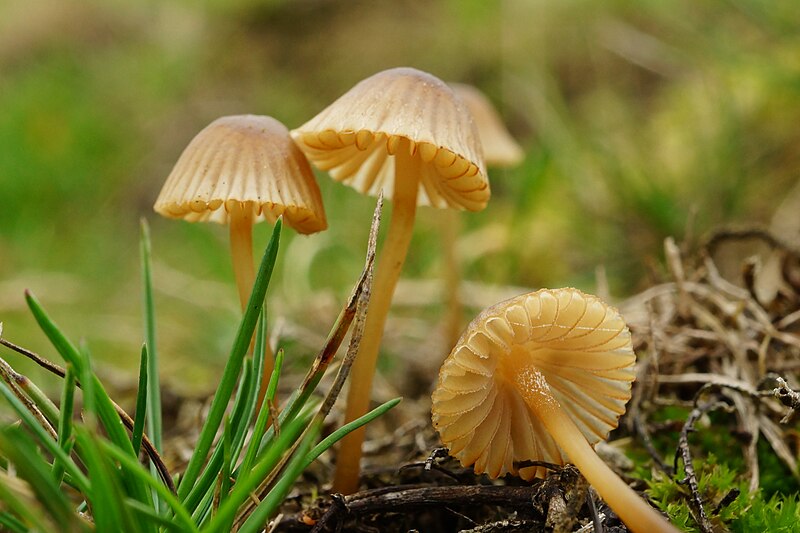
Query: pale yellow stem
{"x": 241, "y": 236}
{"x": 453, "y": 320}
{"x": 393, "y": 255}
{"x": 629, "y": 506}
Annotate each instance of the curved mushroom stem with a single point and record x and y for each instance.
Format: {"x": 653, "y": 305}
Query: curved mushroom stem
{"x": 241, "y": 236}
{"x": 629, "y": 506}
{"x": 393, "y": 255}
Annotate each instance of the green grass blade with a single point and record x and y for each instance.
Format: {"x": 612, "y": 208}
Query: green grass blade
{"x": 107, "y": 497}
{"x": 95, "y": 398}
{"x": 29, "y": 515}
{"x": 154, "y": 429}
{"x": 250, "y": 399}
{"x": 9, "y": 522}
{"x": 331, "y": 439}
{"x": 242, "y": 411}
{"x": 211, "y": 472}
{"x": 146, "y": 514}
{"x": 80, "y": 480}
{"x": 225, "y": 484}
{"x": 249, "y": 481}
{"x": 272, "y": 386}
{"x": 267, "y": 507}
{"x": 40, "y": 399}
{"x": 304, "y": 456}
{"x": 65, "y": 440}
{"x": 21, "y": 450}
{"x": 136, "y": 469}
{"x": 263, "y": 415}
{"x": 225, "y": 472}
{"x": 64, "y": 347}
{"x": 233, "y": 366}
{"x": 141, "y": 402}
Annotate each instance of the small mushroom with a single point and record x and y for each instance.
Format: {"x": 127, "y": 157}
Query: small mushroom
{"x": 403, "y": 132}
{"x": 542, "y": 377}
{"x": 499, "y": 147}
{"x": 240, "y": 170}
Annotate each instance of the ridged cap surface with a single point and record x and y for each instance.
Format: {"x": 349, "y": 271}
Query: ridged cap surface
{"x": 247, "y": 159}
{"x": 499, "y": 147}
{"x": 581, "y": 347}
{"x": 354, "y": 139}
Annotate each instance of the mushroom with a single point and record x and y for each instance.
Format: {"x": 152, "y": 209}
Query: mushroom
{"x": 499, "y": 150}
{"x": 240, "y": 170}
{"x": 542, "y": 377}
{"x": 403, "y": 132}
{"x": 499, "y": 147}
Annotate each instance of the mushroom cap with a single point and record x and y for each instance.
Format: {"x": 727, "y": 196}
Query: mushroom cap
{"x": 499, "y": 147}
{"x": 247, "y": 159}
{"x": 581, "y": 347}
{"x": 355, "y": 137}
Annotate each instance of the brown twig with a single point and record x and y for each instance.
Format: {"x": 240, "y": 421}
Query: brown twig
{"x": 13, "y": 380}
{"x": 684, "y": 453}
{"x": 405, "y": 498}
{"x": 787, "y": 397}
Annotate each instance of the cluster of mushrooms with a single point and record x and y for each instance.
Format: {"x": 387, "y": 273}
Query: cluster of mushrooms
{"x": 540, "y": 377}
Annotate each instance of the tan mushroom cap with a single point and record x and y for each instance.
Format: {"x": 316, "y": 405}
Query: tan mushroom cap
{"x": 579, "y": 344}
{"x": 245, "y": 159}
{"x": 355, "y": 137}
{"x": 499, "y": 147}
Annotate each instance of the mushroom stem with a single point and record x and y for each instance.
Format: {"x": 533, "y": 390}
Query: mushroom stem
{"x": 241, "y": 237}
{"x": 393, "y": 255}
{"x": 629, "y": 506}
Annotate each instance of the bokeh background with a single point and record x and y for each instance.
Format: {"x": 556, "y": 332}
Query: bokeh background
{"x": 639, "y": 120}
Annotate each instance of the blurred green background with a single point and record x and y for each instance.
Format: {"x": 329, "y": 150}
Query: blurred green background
{"x": 639, "y": 120}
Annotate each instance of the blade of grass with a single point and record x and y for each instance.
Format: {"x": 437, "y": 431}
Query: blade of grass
{"x": 141, "y": 402}
{"x": 301, "y": 459}
{"x": 233, "y": 366}
{"x": 263, "y": 415}
{"x": 242, "y": 426}
{"x": 224, "y": 481}
{"x": 136, "y": 469}
{"x": 225, "y": 473}
{"x": 80, "y": 480}
{"x": 249, "y": 481}
{"x": 9, "y": 522}
{"x": 242, "y": 411}
{"x": 334, "y": 437}
{"x": 28, "y": 512}
{"x": 267, "y": 507}
{"x": 65, "y": 440}
{"x": 39, "y": 398}
{"x": 12, "y": 380}
{"x": 21, "y": 450}
{"x": 95, "y": 398}
{"x": 107, "y": 496}
{"x": 154, "y": 428}
{"x": 147, "y": 514}
{"x": 210, "y": 475}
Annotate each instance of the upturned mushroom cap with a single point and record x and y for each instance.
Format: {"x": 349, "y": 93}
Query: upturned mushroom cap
{"x": 355, "y": 137}
{"x": 581, "y": 347}
{"x": 246, "y": 159}
{"x": 499, "y": 147}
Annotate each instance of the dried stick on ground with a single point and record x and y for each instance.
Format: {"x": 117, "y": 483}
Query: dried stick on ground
{"x": 404, "y": 498}
{"x": 684, "y": 453}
